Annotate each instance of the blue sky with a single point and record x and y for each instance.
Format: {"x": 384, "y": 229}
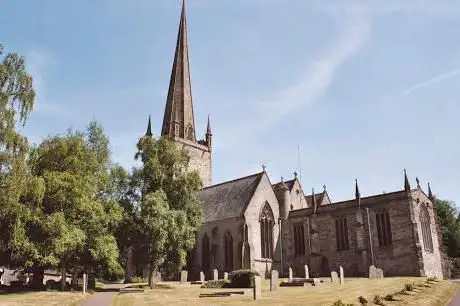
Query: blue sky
{"x": 365, "y": 88}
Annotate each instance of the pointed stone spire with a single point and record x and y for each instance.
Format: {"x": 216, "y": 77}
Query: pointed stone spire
{"x": 406, "y": 182}
{"x": 313, "y": 200}
{"x": 209, "y": 134}
{"x": 418, "y": 182}
{"x": 149, "y": 128}
{"x": 357, "y": 194}
{"x": 178, "y": 120}
{"x": 208, "y": 128}
{"x": 430, "y": 194}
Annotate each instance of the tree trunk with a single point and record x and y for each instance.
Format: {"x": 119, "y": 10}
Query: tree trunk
{"x": 37, "y": 278}
{"x": 63, "y": 277}
{"x": 74, "y": 282}
{"x": 152, "y": 274}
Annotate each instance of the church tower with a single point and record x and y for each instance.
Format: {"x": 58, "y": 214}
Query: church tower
{"x": 178, "y": 120}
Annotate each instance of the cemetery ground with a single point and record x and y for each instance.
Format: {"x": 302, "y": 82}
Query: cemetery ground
{"x": 167, "y": 293}
{"x": 174, "y": 293}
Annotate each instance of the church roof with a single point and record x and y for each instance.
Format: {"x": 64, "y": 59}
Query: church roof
{"x": 318, "y": 197}
{"x": 228, "y": 199}
{"x": 289, "y": 184}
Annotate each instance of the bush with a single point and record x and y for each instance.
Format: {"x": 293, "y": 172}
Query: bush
{"x": 409, "y": 287}
{"x": 341, "y": 303}
{"x": 432, "y": 279}
{"x": 403, "y": 291}
{"x": 389, "y": 297}
{"x": 362, "y": 300}
{"x": 378, "y": 300}
{"x": 242, "y": 278}
{"x": 137, "y": 279}
{"x": 221, "y": 283}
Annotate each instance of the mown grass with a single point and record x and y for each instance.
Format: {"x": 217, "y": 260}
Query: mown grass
{"x": 437, "y": 294}
{"x": 48, "y": 298}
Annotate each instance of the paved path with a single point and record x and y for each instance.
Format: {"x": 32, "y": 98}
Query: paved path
{"x": 456, "y": 299}
{"x": 102, "y": 298}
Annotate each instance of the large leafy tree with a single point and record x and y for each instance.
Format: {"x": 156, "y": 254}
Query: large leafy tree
{"x": 17, "y": 98}
{"x": 449, "y": 223}
{"x": 170, "y": 210}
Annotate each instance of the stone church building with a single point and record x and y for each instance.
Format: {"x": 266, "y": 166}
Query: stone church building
{"x": 252, "y": 222}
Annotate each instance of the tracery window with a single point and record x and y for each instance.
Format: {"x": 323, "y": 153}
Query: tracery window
{"x": 384, "y": 227}
{"x": 267, "y": 222}
{"x": 299, "y": 239}
{"x": 189, "y": 133}
{"x": 341, "y": 233}
{"x": 228, "y": 251}
{"x": 205, "y": 263}
{"x": 426, "y": 229}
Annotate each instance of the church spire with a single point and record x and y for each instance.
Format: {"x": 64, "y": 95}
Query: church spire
{"x": 149, "y": 128}
{"x": 178, "y": 120}
{"x": 357, "y": 193}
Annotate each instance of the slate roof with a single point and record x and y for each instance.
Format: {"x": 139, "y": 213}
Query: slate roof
{"x": 319, "y": 198}
{"x": 289, "y": 183}
{"x": 228, "y": 199}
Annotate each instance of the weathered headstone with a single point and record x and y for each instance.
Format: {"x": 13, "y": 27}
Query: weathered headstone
{"x": 290, "y": 275}
{"x": 183, "y": 276}
{"x": 215, "y": 274}
{"x": 257, "y": 287}
{"x": 342, "y": 277}
{"x": 202, "y": 278}
{"x": 274, "y": 280}
{"x": 334, "y": 277}
{"x": 307, "y": 272}
{"x": 85, "y": 283}
{"x": 375, "y": 272}
{"x": 225, "y": 275}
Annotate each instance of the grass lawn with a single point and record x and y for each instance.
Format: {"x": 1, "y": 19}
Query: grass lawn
{"x": 47, "y": 298}
{"x": 326, "y": 294}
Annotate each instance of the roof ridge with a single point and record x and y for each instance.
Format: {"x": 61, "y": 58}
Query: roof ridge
{"x": 234, "y": 180}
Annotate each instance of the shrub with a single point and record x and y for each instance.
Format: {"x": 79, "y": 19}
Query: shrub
{"x": 403, "y": 291}
{"x": 242, "y": 278}
{"x": 378, "y": 300}
{"x": 409, "y": 287}
{"x": 341, "y": 303}
{"x": 389, "y": 297}
{"x": 362, "y": 300}
{"x": 221, "y": 283}
{"x": 136, "y": 280}
{"x": 432, "y": 279}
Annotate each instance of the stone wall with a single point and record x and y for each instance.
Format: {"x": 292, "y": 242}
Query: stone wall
{"x": 200, "y": 159}
{"x": 400, "y": 258}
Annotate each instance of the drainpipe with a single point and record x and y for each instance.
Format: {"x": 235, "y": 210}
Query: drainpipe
{"x": 370, "y": 235}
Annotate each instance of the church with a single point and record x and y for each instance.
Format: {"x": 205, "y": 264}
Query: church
{"x": 253, "y": 223}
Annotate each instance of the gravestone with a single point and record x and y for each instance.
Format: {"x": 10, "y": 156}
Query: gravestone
{"x": 307, "y": 272}
{"x": 257, "y": 287}
{"x": 225, "y": 275}
{"x": 334, "y": 277}
{"x": 202, "y": 278}
{"x": 290, "y": 275}
{"x": 215, "y": 274}
{"x": 85, "y": 283}
{"x": 342, "y": 277}
{"x": 274, "y": 280}
{"x": 183, "y": 276}
{"x": 375, "y": 272}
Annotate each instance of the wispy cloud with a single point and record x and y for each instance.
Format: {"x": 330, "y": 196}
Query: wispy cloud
{"x": 438, "y": 78}
{"x": 314, "y": 82}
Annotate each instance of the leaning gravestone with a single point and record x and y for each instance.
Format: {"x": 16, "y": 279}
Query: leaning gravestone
{"x": 379, "y": 273}
{"x": 274, "y": 280}
{"x": 225, "y": 275}
{"x": 307, "y": 272}
{"x": 257, "y": 287}
{"x": 375, "y": 272}
{"x": 85, "y": 283}
{"x": 290, "y": 275}
{"x": 215, "y": 274}
{"x": 334, "y": 277}
{"x": 183, "y": 276}
{"x": 202, "y": 279}
{"x": 342, "y": 277}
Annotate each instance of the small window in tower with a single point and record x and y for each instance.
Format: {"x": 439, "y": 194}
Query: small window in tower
{"x": 190, "y": 133}
{"x": 176, "y": 129}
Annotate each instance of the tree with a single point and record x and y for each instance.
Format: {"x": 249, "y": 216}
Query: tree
{"x": 170, "y": 209}
{"x": 17, "y": 98}
{"x": 449, "y": 224}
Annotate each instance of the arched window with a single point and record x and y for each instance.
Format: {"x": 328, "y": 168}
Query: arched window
{"x": 426, "y": 228}
{"x": 266, "y": 231}
{"x": 205, "y": 264}
{"x": 228, "y": 252}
